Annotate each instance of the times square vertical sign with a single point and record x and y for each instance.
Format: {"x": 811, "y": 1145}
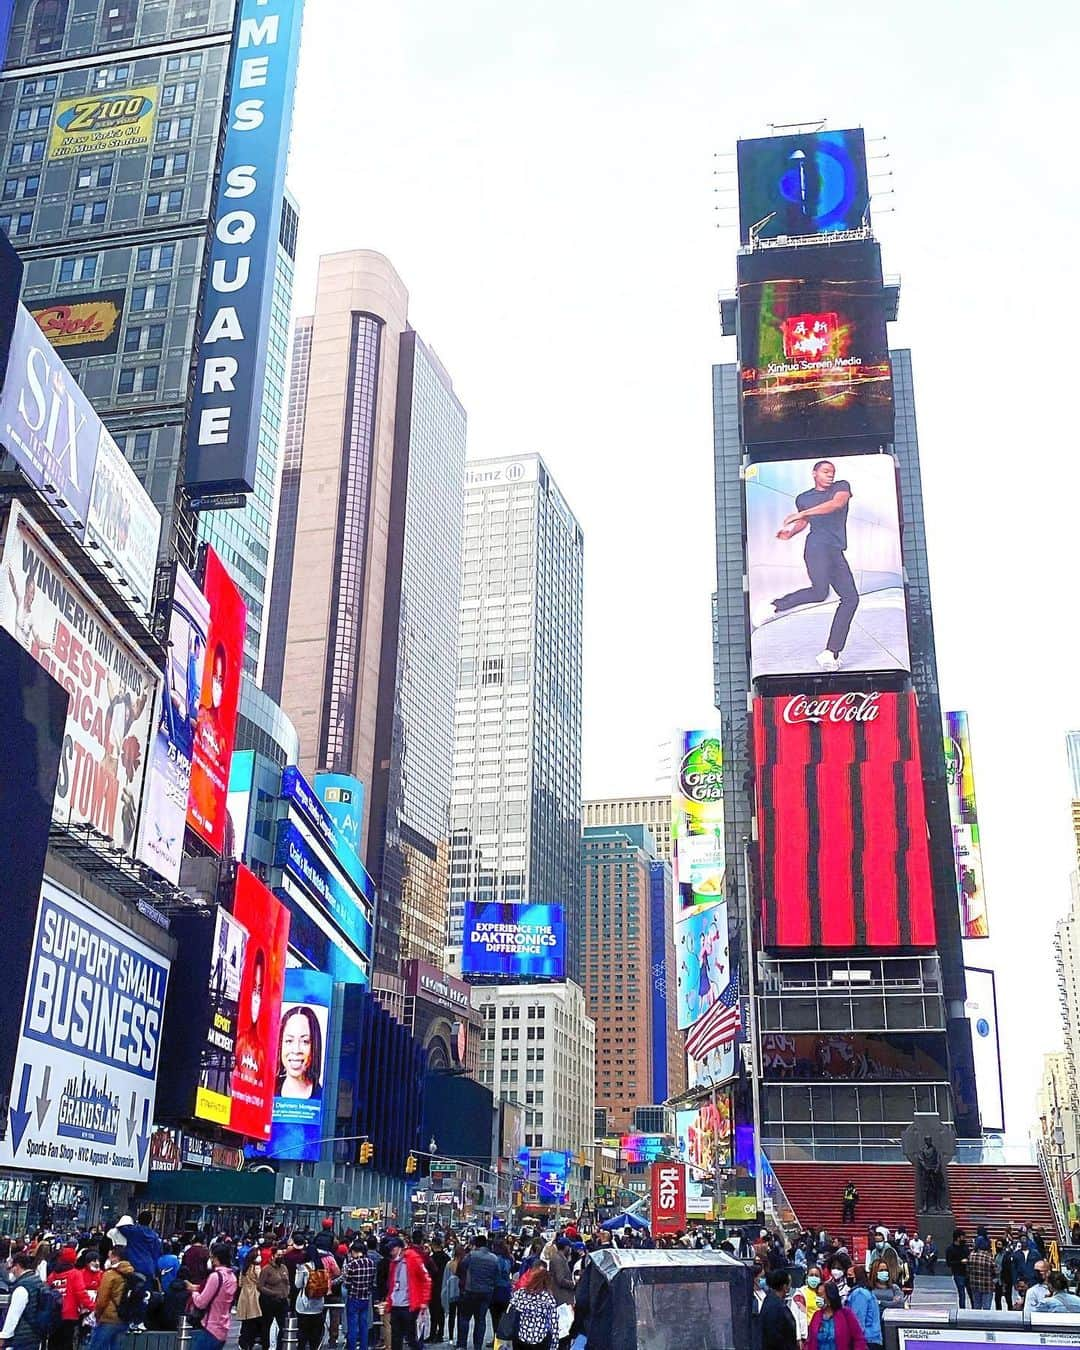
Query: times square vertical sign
{"x": 238, "y": 284}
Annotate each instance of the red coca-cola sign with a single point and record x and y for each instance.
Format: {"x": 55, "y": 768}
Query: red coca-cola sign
{"x": 847, "y": 707}
{"x": 668, "y": 1184}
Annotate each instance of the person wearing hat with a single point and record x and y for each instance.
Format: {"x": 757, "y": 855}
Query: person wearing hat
{"x": 408, "y": 1289}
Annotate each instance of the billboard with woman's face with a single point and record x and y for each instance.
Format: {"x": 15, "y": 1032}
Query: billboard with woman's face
{"x": 300, "y": 1073}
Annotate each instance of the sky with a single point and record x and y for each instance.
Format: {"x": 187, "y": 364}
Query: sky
{"x": 553, "y": 179}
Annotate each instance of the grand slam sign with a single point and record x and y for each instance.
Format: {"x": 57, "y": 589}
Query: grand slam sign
{"x": 224, "y": 425}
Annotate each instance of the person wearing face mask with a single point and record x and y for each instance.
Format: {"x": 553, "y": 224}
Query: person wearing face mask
{"x": 886, "y": 1290}
{"x": 834, "y": 1327}
{"x": 864, "y": 1305}
{"x": 248, "y": 1308}
{"x": 813, "y": 1286}
{"x": 883, "y": 1250}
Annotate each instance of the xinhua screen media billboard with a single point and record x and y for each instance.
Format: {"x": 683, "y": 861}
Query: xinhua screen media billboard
{"x": 697, "y": 820}
{"x": 967, "y": 847}
{"x": 814, "y": 183}
{"x": 247, "y": 978}
{"x": 813, "y": 345}
{"x": 841, "y": 821}
{"x": 86, "y": 1063}
{"x": 981, "y": 1009}
{"x": 514, "y": 940}
{"x": 825, "y": 566}
{"x": 219, "y": 698}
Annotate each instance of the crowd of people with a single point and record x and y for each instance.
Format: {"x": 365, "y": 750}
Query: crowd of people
{"x": 442, "y": 1288}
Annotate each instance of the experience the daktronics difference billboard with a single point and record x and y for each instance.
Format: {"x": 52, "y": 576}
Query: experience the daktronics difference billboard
{"x": 841, "y": 821}
{"x": 814, "y": 183}
{"x": 813, "y": 344}
{"x": 825, "y": 566}
{"x": 514, "y": 940}
{"x": 234, "y": 339}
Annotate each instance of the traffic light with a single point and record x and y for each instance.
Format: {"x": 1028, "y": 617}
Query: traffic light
{"x": 410, "y": 1165}
{"x": 367, "y": 1149}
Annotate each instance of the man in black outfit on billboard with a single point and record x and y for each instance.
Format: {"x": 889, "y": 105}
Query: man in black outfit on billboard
{"x": 822, "y": 509}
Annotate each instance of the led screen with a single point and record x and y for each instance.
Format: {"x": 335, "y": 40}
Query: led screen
{"x": 514, "y": 940}
{"x": 815, "y": 183}
{"x": 813, "y": 345}
{"x": 841, "y": 1057}
{"x": 967, "y": 847}
{"x": 842, "y": 821}
{"x": 219, "y": 695}
{"x": 301, "y": 1066}
{"x": 825, "y": 566}
{"x": 697, "y": 823}
{"x": 981, "y": 1009}
{"x": 247, "y": 975}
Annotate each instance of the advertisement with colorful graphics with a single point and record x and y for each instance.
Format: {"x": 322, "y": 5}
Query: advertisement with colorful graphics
{"x": 122, "y": 523}
{"x": 697, "y": 824}
{"x": 813, "y": 344}
{"x": 702, "y": 963}
{"x": 82, "y": 1096}
{"x": 960, "y": 775}
{"x": 508, "y": 939}
{"x": 82, "y": 325}
{"x": 247, "y": 978}
{"x": 812, "y": 183}
{"x": 219, "y": 696}
{"x": 981, "y": 1009}
{"x": 841, "y": 821}
{"x": 101, "y": 124}
{"x": 168, "y": 780}
{"x": 112, "y": 689}
{"x": 825, "y": 566}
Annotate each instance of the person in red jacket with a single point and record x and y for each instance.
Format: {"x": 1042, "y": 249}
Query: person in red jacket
{"x": 408, "y": 1288}
{"x": 843, "y": 1330}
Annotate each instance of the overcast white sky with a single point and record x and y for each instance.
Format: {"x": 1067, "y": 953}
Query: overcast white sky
{"x": 541, "y": 173}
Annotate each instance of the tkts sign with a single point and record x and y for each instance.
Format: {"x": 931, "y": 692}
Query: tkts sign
{"x": 668, "y": 1197}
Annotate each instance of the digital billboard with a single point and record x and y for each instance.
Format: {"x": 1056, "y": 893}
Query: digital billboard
{"x": 703, "y": 1135}
{"x": 825, "y": 566}
{"x": 238, "y": 1071}
{"x": 702, "y": 962}
{"x": 219, "y": 696}
{"x": 697, "y": 821}
{"x": 86, "y": 1062}
{"x": 841, "y": 821}
{"x": 168, "y": 777}
{"x": 235, "y": 305}
{"x": 503, "y": 939}
{"x": 814, "y": 183}
{"x": 238, "y": 803}
{"x": 101, "y": 124}
{"x": 981, "y": 1009}
{"x": 853, "y": 1056}
{"x": 82, "y": 325}
{"x": 967, "y": 848}
{"x": 123, "y": 526}
{"x": 300, "y": 1079}
{"x": 813, "y": 345}
{"x": 343, "y": 797}
{"x": 112, "y": 689}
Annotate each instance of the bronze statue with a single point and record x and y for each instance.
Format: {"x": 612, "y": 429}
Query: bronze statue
{"x": 931, "y": 1177}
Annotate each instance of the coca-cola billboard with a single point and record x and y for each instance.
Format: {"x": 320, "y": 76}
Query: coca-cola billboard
{"x": 668, "y": 1188}
{"x": 841, "y": 821}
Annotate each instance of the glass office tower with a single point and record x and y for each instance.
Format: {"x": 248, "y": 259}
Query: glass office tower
{"x": 515, "y": 806}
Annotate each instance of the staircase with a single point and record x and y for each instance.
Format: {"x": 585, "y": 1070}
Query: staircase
{"x": 981, "y": 1194}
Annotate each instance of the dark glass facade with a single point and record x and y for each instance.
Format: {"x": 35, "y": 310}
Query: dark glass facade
{"x": 922, "y": 994}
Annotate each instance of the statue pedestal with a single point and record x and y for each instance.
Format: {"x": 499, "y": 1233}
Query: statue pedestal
{"x": 941, "y": 1225}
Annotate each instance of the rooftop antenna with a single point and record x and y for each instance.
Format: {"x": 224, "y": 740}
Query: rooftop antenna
{"x": 815, "y": 124}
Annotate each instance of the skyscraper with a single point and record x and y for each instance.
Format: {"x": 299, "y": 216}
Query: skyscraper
{"x": 515, "y": 807}
{"x": 652, "y": 810}
{"x": 113, "y": 120}
{"x": 638, "y": 1050}
{"x": 375, "y": 461}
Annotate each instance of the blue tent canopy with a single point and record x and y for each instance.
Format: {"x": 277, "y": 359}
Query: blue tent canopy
{"x": 624, "y": 1221}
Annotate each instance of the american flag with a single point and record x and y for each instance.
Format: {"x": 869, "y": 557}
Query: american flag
{"x": 719, "y": 1026}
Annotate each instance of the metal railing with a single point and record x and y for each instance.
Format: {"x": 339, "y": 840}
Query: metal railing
{"x": 988, "y": 1151}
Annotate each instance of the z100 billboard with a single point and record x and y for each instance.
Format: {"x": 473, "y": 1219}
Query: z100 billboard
{"x": 234, "y": 338}
{"x": 86, "y": 1063}
{"x": 841, "y": 820}
{"x": 815, "y": 183}
{"x": 511, "y": 940}
{"x": 813, "y": 344}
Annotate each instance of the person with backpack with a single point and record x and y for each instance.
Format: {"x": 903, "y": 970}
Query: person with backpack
{"x": 21, "y": 1329}
{"x": 312, "y": 1287}
{"x": 211, "y": 1304}
{"x": 112, "y": 1307}
{"x": 61, "y": 1334}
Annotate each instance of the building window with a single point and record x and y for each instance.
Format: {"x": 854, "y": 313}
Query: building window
{"x": 164, "y": 203}
{"x": 155, "y": 258}
{"x": 29, "y": 119}
{"x": 118, "y": 19}
{"x": 173, "y": 129}
{"x": 79, "y": 269}
{"x": 165, "y": 166}
{"x": 99, "y": 175}
{"x": 88, "y": 213}
{"x": 16, "y": 227}
{"x": 48, "y": 25}
{"x": 27, "y": 152}
{"x": 110, "y": 76}
{"x": 150, "y": 297}
{"x": 137, "y": 380}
